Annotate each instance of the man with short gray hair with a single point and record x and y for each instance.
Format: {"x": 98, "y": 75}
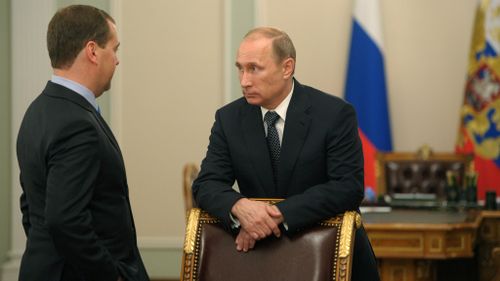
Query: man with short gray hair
{"x": 285, "y": 140}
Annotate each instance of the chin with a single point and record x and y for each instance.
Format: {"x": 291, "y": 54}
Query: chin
{"x": 107, "y": 87}
{"x": 253, "y": 101}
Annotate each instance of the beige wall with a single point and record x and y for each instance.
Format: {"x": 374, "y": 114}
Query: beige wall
{"x": 427, "y": 46}
{"x": 171, "y": 75}
{"x": 426, "y": 50}
{"x": 171, "y": 81}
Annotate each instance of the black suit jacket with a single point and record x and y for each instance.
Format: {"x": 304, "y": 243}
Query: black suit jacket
{"x": 75, "y": 204}
{"x": 320, "y": 169}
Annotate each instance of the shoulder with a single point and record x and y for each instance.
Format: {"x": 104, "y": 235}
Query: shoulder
{"x": 57, "y": 114}
{"x": 321, "y": 102}
{"x": 234, "y": 106}
{"x": 235, "y": 110}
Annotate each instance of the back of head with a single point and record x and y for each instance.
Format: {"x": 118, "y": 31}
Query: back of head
{"x": 71, "y": 28}
{"x": 282, "y": 44}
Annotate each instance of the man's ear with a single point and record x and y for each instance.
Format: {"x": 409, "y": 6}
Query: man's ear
{"x": 288, "y": 67}
{"x": 91, "y": 51}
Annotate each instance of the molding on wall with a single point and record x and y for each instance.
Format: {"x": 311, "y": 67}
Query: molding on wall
{"x": 157, "y": 242}
{"x": 260, "y": 13}
{"x": 5, "y": 129}
{"x": 29, "y": 58}
{"x": 10, "y": 269}
{"x": 161, "y": 255}
{"x": 116, "y": 95}
{"x": 162, "y": 263}
{"x": 227, "y": 51}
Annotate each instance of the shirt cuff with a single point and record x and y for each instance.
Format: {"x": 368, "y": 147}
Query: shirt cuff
{"x": 285, "y": 225}
{"x": 236, "y": 223}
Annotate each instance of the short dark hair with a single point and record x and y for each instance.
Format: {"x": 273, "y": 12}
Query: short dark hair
{"x": 71, "y": 28}
{"x": 282, "y": 44}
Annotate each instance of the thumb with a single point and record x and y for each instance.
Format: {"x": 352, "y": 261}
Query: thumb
{"x": 273, "y": 211}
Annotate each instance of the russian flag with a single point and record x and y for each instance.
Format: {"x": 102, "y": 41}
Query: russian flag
{"x": 365, "y": 85}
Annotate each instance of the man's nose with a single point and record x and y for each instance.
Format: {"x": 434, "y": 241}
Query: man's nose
{"x": 245, "y": 79}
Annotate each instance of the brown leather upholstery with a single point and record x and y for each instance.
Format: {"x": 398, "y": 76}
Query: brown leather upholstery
{"x": 189, "y": 174}
{"x": 323, "y": 252}
{"x": 424, "y": 172}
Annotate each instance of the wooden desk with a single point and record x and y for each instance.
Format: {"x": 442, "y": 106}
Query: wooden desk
{"x": 408, "y": 242}
{"x": 488, "y": 246}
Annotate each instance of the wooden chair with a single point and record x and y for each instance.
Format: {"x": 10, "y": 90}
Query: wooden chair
{"x": 323, "y": 252}
{"x": 422, "y": 172}
{"x": 189, "y": 174}
{"x": 495, "y": 255}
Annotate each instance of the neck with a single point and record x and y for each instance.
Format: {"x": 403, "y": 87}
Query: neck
{"x": 286, "y": 91}
{"x": 78, "y": 76}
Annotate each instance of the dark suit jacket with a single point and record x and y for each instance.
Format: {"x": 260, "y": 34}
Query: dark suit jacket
{"x": 75, "y": 204}
{"x": 320, "y": 169}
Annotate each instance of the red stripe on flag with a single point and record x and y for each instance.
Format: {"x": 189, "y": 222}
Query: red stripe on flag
{"x": 369, "y": 154}
{"x": 465, "y": 144}
{"x": 488, "y": 176}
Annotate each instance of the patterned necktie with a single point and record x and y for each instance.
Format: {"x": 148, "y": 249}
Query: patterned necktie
{"x": 273, "y": 141}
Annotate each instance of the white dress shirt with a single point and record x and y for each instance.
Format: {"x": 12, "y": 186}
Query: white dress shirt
{"x": 281, "y": 111}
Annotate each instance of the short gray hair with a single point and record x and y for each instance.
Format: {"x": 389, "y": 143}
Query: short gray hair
{"x": 282, "y": 44}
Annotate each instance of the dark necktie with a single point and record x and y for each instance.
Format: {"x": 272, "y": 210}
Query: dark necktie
{"x": 273, "y": 141}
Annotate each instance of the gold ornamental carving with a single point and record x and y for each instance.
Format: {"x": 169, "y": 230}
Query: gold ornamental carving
{"x": 191, "y": 230}
{"x": 349, "y": 222}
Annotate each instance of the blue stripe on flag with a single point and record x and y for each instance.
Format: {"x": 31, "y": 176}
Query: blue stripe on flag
{"x": 366, "y": 89}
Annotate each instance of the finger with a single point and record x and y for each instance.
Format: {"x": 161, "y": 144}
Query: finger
{"x": 251, "y": 244}
{"x": 273, "y": 227}
{"x": 261, "y": 232}
{"x": 239, "y": 246}
{"x": 273, "y": 211}
{"x": 245, "y": 245}
{"x": 254, "y": 235}
{"x": 267, "y": 230}
{"x": 277, "y": 231}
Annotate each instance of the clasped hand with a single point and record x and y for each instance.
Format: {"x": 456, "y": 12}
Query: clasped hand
{"x": 258, "y": 220}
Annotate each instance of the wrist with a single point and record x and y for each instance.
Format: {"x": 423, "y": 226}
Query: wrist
{"x": 236, "y": 207}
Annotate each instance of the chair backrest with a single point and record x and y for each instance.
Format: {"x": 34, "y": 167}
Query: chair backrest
{"x": 322, "y": 252}
{"x": 418, "y": 172}
{"x": 189, "y": 174}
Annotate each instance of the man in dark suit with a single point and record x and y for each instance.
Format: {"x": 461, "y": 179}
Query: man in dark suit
{"x": 286, "y": 140}
{"x": 75, "y": 204}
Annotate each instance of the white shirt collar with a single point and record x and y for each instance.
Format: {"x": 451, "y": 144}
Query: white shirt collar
{"x": 282, "y": 107}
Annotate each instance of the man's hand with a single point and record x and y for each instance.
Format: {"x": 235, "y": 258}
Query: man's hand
{"x": 258, "y": 219}
{"x": 120, "y": 278}
{"x": 275, "y": 213}
{"x": 244, "y": 241}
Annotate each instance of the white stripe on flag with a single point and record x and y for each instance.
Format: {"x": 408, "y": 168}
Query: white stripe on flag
{"x": 367, "y": 14}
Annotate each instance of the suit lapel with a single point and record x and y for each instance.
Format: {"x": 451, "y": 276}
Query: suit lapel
{"x": 59, "y": 91}
{"x": 107, "y": 130}
{"x": 255, "y": 139}
{"x": 296, "y": 128}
